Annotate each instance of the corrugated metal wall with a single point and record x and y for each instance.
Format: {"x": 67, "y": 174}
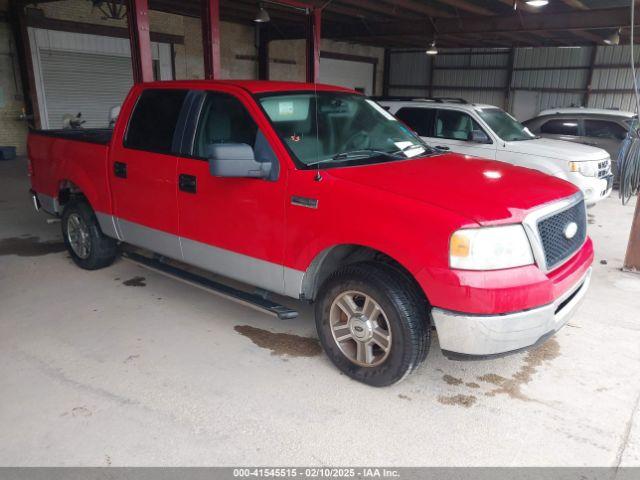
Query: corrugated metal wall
{"x": 559, "y": 76}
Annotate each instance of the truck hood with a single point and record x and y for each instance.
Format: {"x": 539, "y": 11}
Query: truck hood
{"x": 557, "y": 149}
{"x": 485, "y": 191}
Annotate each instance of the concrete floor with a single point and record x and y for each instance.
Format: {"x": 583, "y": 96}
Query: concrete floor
{"x": 97, "y": 372}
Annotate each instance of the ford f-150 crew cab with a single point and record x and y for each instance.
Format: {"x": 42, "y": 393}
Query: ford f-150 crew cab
{"x": 317, "y": 193}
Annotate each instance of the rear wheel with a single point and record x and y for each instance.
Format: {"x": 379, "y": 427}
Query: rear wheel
{"x": 88, "y": 246}
{"x": 371, "y": 324}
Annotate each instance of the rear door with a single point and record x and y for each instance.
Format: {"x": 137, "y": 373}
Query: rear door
{"x": 143, "y": 173}
{"x": 232, "y": 226}
{"x": 605, "y": 134}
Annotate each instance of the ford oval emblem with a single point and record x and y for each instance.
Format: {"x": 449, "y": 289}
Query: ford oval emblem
{"x": 570, "y": 230}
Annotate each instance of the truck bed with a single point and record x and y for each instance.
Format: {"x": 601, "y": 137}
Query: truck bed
{"x": 100, "y": 136}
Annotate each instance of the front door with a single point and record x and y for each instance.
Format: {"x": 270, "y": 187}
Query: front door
{"x": 453, "y": 130}
{"x": 143, "y": 174}
{"x": 232, "y": 226}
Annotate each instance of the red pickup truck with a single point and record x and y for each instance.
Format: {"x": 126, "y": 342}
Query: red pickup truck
{"x": 316, "y": 192}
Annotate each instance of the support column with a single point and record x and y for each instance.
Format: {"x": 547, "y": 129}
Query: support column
{"x": 314, "y": 23}
{"x": 386, "y": 72}
{"x": 632, "y": 259}
{"x": 139, "y": 36}
{"x": 211, "y": 38}
{"x": 507, "y": 88}
{"x": 592, "y": 67}
{"x": 262, "y": 46}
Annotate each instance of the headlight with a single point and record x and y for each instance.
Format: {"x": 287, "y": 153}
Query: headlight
{"x": 588, "y": 169}
{"x": 490, "y": 248}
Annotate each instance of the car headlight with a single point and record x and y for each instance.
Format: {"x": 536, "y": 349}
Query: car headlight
{"x": 490, "y": 248}
{"x": 588, "y": 169}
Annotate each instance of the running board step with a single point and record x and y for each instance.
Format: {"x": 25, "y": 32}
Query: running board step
{"x": 251, "y": 300}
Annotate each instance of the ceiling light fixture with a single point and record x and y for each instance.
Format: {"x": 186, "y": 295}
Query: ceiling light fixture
{"x": 613, "y": 39}
{"x": 537, "y": 3}
{"x": 432, "y": 50}
{"x": 262, "y": 16}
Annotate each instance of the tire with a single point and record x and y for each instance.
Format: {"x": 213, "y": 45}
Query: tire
{"x": 95, "y": 249}
{"x": 400, "y": 320}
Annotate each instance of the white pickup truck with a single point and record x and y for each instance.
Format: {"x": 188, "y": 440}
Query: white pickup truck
{"x": 489, "y": 132}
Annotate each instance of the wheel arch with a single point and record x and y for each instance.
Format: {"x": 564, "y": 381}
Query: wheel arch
{"x": 335, "y": 257}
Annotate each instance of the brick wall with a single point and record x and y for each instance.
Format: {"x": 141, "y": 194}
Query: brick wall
{"x": 13, "y": 131}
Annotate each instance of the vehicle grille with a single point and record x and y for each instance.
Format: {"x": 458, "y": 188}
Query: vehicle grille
{"x": 604, "y": 168}
{"x": 557, "y": 247}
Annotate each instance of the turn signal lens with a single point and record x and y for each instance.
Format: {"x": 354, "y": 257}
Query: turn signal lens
{"x": 460, "y": 245}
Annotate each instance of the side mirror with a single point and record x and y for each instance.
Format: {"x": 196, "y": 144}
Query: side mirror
{"x": 478, "y": 136}
{"x": 235, "y": 160}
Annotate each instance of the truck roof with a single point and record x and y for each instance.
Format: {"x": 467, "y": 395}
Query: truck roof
{"x": 252, "y": 86}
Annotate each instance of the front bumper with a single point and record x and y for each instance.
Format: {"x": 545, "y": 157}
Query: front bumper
{"x": 481, "y": 335}
{"x": 594, "y": 189}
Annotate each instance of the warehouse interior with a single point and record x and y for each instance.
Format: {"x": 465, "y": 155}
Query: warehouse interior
{"x": 156, "y": 373}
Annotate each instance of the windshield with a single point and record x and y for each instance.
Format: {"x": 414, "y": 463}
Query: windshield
{"x": 504, "y": 125}
{"x": 344, "y": 127}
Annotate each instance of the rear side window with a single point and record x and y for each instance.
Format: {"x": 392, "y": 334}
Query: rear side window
{"x": 604, "y": 129}
{"x": 153, "y": 121}
{"x": 420, "y": 120}
{"x": 561, "y": 127}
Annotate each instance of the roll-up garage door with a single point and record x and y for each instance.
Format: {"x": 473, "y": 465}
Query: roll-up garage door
{"x": 83, "y": 82}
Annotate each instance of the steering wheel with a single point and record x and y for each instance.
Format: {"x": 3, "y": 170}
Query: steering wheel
{"x": 357, "y": 141}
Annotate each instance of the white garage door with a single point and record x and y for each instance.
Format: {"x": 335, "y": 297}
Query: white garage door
{"x": 83, "y": 82}
{"x": 347, "y": 73}
{"x": 78, "y": 72}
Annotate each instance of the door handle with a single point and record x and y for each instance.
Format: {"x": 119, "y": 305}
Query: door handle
{"x": 442, "y": 147}
{"x": 187, "y": 183}
{"x": 120, "y": 169}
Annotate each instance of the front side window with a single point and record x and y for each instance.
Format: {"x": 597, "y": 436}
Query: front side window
{"x": 335, "y": 127}
{"x": 604, "y": 129}
{"x": 561, "y": 127}
{"x": 223, "y": 120}
{"x": 419, "y": 119}
{"x": 504, "y": 125}
{"x": 153, "y": 121}
{"x": 455, "y": 125}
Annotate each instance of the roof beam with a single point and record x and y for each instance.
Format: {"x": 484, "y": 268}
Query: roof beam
{"x": 577, "y": 4}
{"x": 419, "y": 7}
{"x": 610, "y": 18}
{"x": 587, "y": 35}
{"x": 468, "y": 7}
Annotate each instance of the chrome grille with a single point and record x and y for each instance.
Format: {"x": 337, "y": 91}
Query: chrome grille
{"x": 557, "y": 247}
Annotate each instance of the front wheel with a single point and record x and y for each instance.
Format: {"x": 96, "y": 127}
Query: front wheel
{"x": 372, "y": 324}
{"x": 88, "y": 246}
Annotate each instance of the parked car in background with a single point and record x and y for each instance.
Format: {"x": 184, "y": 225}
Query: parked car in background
{"x": 596, "y": 127}
{"x": 318, "y": 193}
{"x": 489, "y": 132}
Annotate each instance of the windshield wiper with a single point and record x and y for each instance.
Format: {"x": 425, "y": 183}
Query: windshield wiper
{"x": 345, "y": 156}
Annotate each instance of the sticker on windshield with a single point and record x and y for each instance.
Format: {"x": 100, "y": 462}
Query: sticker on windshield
{"x": 285, "y": 108}
{"x": 410, "y": 149}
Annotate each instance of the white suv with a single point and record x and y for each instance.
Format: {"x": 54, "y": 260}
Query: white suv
{"x": 489, "y": 132}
